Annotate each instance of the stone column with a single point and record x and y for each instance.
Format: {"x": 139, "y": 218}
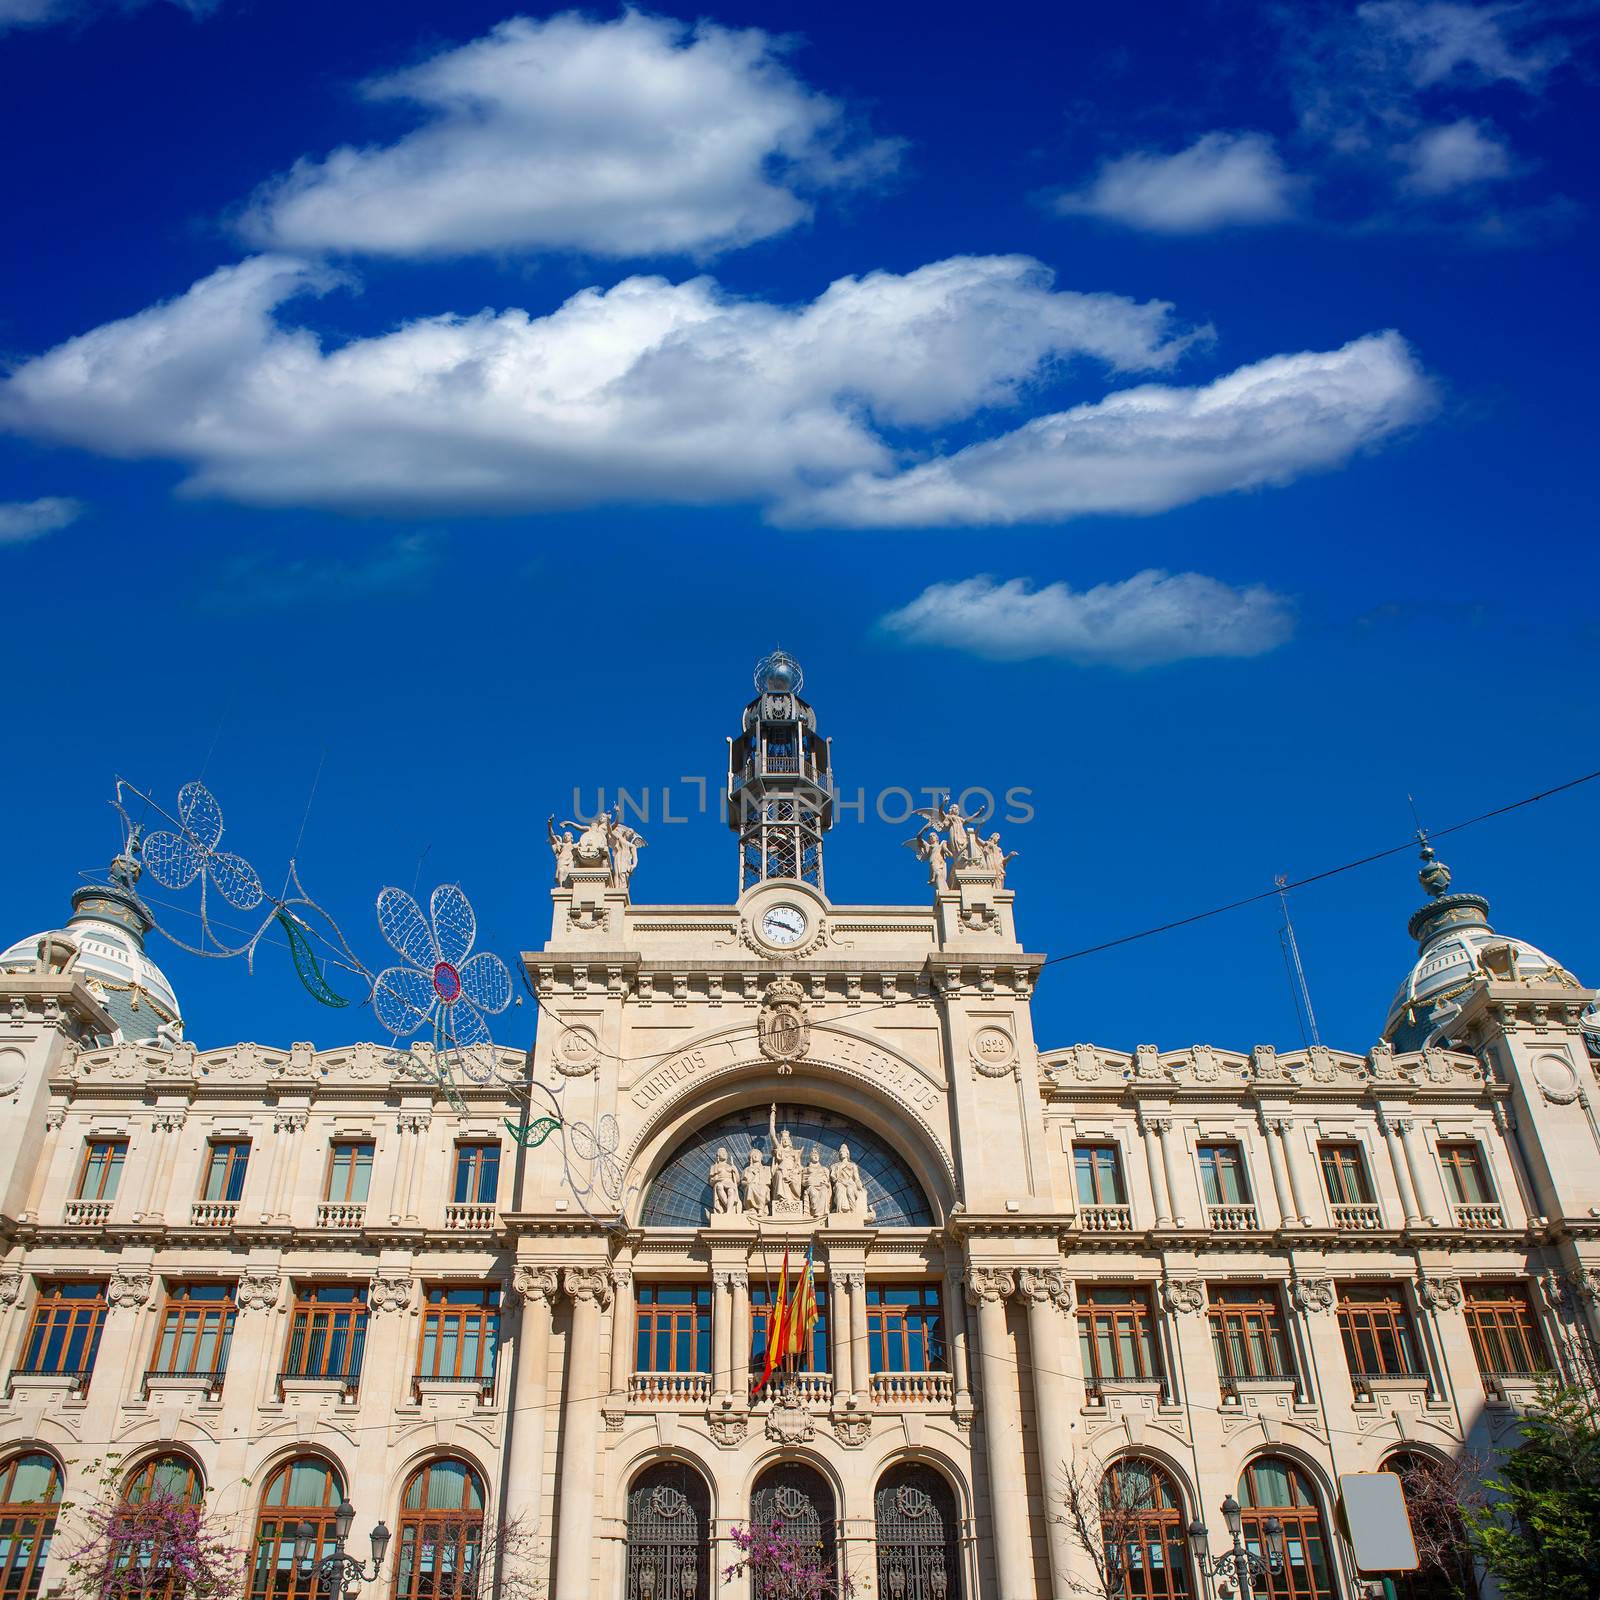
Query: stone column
{"x": 1163, "y": 1127}
{"x": 1152, "y": 1158}
{"x": 53, "y": 1119}
{"x": 842, "y": 1353}
{"x": 741, "y": 1339}
{"x": 988, "y": 1289}
{"x": 1439, "y": 1303}
{"x": 164, "y": 1128}
{"x": 1045, "y": 1292}
{"x": 287, "y": 1128}
{"x": 622, "y": 1342}
{"x": 524, "y": 1486}
{"x": 1407, "y": 1127}
{"x": 1284, "y": 1128}
{"x": 955, "y": 1318}
{"x": 861, "y": 1351}
{"x": 590, "y": 1292}
{"x": 1317, "y": 1348}
{"x": 721, "y": 1335}
{"x": 418, "y": 1122}
{"x": 256, "y": 1354}
{"x": 1280, "y": 1178}
{"x": 1401, "y": 1166}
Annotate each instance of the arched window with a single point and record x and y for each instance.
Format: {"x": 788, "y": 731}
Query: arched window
{"x": 1446, "y": 1568}
{"x": 1141, "y": 1524}
{"x": 1271, "y": 1486}
{"x": 306, "y": 1489}
{"x": 669, "y": 1535}
{"x": 30, "y": 1491}
{"x": 440, "y": 1536}
{"x": 800, "y": 1499}
{"x": 919, "y": 1551}
{"x": 166, "y": 1478}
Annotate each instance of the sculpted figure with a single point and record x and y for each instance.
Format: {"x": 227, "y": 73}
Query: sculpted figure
{"x": 757, "y": 1185}
{"x": 994, "y": 858}
{"x": 932, "y": 849}
{"x": 818, "y": 1185}
{"x": 593, "y": 840}
{"x": 848, "y": 1195}
{"x": 724, "y": 1185}
{"x": 561, "y": 845}
{"x": 625, "y": 847}
{"x": 786, "y": 1175}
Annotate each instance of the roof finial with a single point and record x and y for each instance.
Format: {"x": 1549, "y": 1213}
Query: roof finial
{"x": 1435, "y": 875}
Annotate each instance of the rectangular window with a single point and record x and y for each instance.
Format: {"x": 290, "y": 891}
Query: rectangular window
{"x": 1344, "y": 1174}
{"x": 328, "y": 1332}
{"x": 349, "y": 1171}
{"x": 1464, "y": 1174}
{"x": 1222, "y": 1174}
{"x": 196, "y": 1330}
{"x": 1099, "y": 1175}
{"x": 1248, "y": 1337}
{"x": 64, "y": 1335}
{"x": 477, "y": 1175}
{"x": 1376, "y": 1328}
{"x": 1116, "y": 1334}
{"x": 226, "y": 1161}
{"x": 672, "y": 1328}
{"x": 1505, "y": 1337}
{"x": 816, "y": 1358}
{"x": 460, "y": 1333}
{"x": 905, "y": 1327}
{"x": 102, "y": 1169}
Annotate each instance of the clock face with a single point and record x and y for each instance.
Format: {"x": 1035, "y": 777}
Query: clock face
{"x": 783, "y": 925}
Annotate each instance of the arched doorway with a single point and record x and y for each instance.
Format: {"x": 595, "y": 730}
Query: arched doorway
{"x": 669, "y": 1534}
{"x": 1273, "y": 1486}
{"x": 919, "y": 1548}
{"x": 439, "y": 1543}
{"x": 306, "y": 1489}
{"x": 30, "y": 1492}
{"x": 1141, "y": 1524}
{"x": 801, "y": 1500}
{"x": 1445, "y": 1569}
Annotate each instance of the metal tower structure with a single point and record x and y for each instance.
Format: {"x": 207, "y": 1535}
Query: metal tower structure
{"x": 780, "y": 791}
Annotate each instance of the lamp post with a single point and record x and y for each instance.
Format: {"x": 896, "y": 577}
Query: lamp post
{"x": 338, "y": 1573}
{"x": 1241, "y": 1567}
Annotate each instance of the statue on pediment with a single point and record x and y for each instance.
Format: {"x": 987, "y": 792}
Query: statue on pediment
{"x": 849, "y": 1194}
{"x": 757, "y": 1183}
{"x": 818, "y": 1185}
{"x": 724, "y": 1185}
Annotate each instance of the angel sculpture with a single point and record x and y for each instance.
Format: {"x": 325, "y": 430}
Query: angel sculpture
{"x": 932, "y": 849}
{"x": 994, "y": 858}
{"x": 948, "y": 819}
{"x": 625, "y": 847}
{"x": 593, "y": 840}
{"x": 561, "y": 845}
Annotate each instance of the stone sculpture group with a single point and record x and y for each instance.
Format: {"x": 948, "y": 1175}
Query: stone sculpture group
{"x": 949, "y": 840}
{"x": 605, "y": 843}
{"x": 787, "y": 1186}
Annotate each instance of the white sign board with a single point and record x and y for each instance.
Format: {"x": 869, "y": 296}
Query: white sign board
{"x": 1379, "y": 1525}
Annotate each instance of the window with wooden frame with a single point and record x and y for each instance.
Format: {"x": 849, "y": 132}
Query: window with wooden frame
{"x": 477, "y": 1175}
{"x": 1222, "y": 1175}
{"x": 817, "y": 1358}
{"x": 196, "y": 1332}
{"x": 349, "y": 1172}
{"x": 460, "y": 1333}
{"x": 1098, "y": 1170}
{"x": 327, "y": 1332}
{"x": 1271, "y": 1486}
{"x": 64, "y": 1333}
{"x": 30, "y": 1496}
{"x": 1344, "y": 1174}
{"x": 1143, "y": 1532}
{"x": 101, "y": 1171}
{"x": 439, "y": 1543}
{"x": 905, "y": 1327}
{"x": 1375, "y": 1324}
{"x": 672, "y": 1327}
{"x": 226, "y": 1163}
{"x": 1116, "y": 1335}
{"x": 1503, "y": 1329}
{"x": 1465, "y": 1176}
{"x": 1248, "y": 1336}
{"x": 307, "y": 1490}
{"x": 168, "y": 1477}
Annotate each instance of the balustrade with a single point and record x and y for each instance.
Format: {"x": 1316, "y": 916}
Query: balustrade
{"x": 902, "y": 1389}
{"x": 88, "y": 1213}
{"x": 1234, "y": 1219}
{"x": 213, "y": 1213}
{"x": 1480, "y": 1216}
{"x": 340, "y": 1214}
{"x": 670, "y": 1388}
{"x": 469, "y": 1218}
{"x": 1357, "y": 1218}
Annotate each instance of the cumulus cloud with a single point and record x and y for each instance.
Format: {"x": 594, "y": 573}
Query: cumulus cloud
{"x": 649, "y": 390}
{"x": 1147, "y": 620}
{"x": 1456, "y": 156}
{"x": 1221, "y": 180}
{"x": 631, "y": 137}
{"x": 1150, "y": 448}
{"x": 25, "y": 520}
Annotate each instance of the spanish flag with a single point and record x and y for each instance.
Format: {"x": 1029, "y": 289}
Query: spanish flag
{"x": 777, "y": 1329}
{"x": 802, "y": 1315}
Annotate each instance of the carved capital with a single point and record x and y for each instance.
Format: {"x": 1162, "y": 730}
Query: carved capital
{"x": 389, "y": 1294}
{"x": 1313, "y": 1294}
{"x": 1440, "y": 1294}
{"x": 731, "y": 1278}
{"x": 848, "y": 1280}
{"x": 591, "y": 1284}
{"x": 1183, "y": 1294}
{"x": 1585, "y": 1284}
{"x": 169, "y": 1121}
{"x": 414, "y": 1121}
{"x": 1045, "y": 1286}
{"x": 129, "y": 1290}
{"x": 535, "y": 1283}
{"x": 290, "y": 1121}
{"x": 258, "y": 1291}
{"x": 990, "y": 1285}
{"x": 10, "y": 1289}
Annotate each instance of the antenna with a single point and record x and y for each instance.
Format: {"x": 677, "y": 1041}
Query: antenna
{"x": 1306, "y": 1017}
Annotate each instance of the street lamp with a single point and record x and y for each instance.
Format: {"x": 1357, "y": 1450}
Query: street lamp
{"x": 1241, "y": 1567}
{"x": 337, "y": 1572}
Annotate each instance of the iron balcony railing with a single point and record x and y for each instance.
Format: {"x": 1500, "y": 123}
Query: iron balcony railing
{"x": 79, "y": 1376}
{"x": 350, "y": 1382}
{"x": 213, "y": 1379}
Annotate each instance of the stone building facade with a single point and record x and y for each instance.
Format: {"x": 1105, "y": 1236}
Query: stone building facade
{"x": 286, "y": 1277}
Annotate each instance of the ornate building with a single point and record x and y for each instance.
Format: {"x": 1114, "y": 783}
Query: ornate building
{"x": 1047, "y": 1278}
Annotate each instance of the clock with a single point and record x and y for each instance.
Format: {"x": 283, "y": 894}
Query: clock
{"x": 783, "y": 925}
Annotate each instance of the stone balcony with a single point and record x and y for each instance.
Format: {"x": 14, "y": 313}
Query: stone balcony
{"x": 1356, "y": 1218}
{"x": 1479, "y": 1217}
{"x": 1105, "y": 1219}
{"x": 903, "y": 1391}
{"x": 1233, "y": 1219}
{"x": 670, "y": 1388}
{"x": 469, "y": 1218}
{"x": 213, "y": 1213}
{"x": 340, "y": 1216}
{"x": 88, "y": 1213}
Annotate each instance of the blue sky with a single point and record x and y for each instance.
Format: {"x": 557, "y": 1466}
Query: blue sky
{"x": 1183, "y": 414}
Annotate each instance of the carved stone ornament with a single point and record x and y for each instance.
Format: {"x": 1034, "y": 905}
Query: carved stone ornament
{"x": 258, "y": 1291}
{"x": 789, "y": 1421}
{"x": 1183, "y": 1294}
{"x": 290, "y": 1121}
{"x": 1558, "y": 1083}
{"x": 782, "y": 1031}
{"x": 1585, "y": 1284}
{"x": 1313, "y": 1294}
{"x": 1147, "y": 1064}
{"x": 129, "y": 1289}
{"x": 990, "y": 1284}
{"x": 852, "y": 1430}
{"x": 576, "y": 1053}
{"x": 535, "y": 1283}
{"x": 994, "y": 1052}
{"x": 588, "y": 1283}
{"x": 1045, "y": 1285}
{"x": 389, "y": 1294}
{"x": 727, "y": 1431}
{"x": 10, "y": 1288}
{"x": 1442, "y": 1294}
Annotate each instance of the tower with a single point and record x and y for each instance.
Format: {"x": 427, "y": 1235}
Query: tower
{"x": 780, "y": 792}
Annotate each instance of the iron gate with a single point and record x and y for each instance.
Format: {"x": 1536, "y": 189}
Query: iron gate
{"x": 669, "y": 1550}
{"x": 919, "y": 1555}
{"x": 798, "y": 1496}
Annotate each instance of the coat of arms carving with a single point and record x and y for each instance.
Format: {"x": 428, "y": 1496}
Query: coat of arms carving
{"x": 782, "y": 1032}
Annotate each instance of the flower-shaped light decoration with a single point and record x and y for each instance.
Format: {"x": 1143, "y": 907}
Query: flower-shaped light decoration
{"x": 175, "y": 860}
{"x": 444, "y": 983}
{"x": 598, "y": 1146}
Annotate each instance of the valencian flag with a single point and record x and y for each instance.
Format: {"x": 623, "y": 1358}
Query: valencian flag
{"x": 776, "y": 1329}
{"x": 801, "y": 1318}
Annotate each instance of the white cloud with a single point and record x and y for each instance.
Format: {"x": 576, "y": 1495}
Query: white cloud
{"x": 1147, "y": 620}
{"x": 1454, "y": 156}
{"x": 1221, "y": 180}
{"x": 1438, "y": 40}
{"x": 1148, "y": 449}
{"x": 647, "y": 391}
{"x": 24, "y": 520}
{"x": 631, "y": 137}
